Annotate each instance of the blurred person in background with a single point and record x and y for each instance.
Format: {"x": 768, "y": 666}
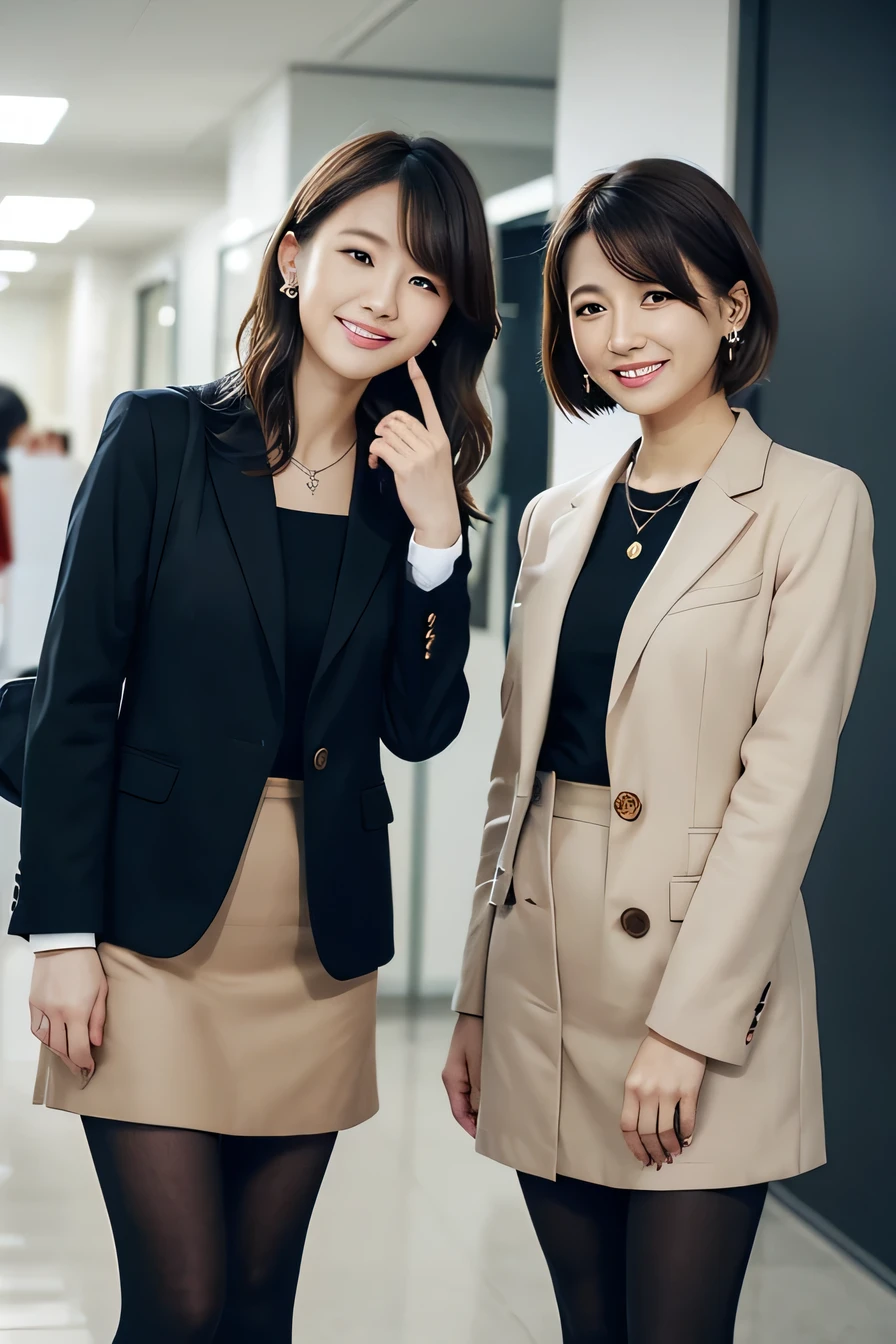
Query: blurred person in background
{"x": 637, "y": 1030}
{"x": 276, "y": 569}
{"x": 14, "y": 428}
{"x": 14, "y": 433}
{"x": 48, "y": 443}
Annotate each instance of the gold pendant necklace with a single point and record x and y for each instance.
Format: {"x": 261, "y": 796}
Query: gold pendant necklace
{"x": 635, "y": 549}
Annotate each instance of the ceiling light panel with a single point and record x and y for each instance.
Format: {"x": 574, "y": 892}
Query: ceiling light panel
{"x": 4, "y": 282}
{"x": 29, "y": 121}
{"x": 41, "y": 219}
{"x": 17, "y": 261}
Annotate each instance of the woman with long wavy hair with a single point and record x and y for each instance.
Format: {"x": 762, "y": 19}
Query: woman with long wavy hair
{"x": 264, "y": 579}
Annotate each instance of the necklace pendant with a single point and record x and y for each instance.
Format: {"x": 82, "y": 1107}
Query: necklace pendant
{"x": 634, "y": 550}
{"x": 312, "y": 483}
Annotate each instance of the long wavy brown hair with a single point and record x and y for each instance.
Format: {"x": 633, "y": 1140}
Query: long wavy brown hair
{"x": 444, "y": 229}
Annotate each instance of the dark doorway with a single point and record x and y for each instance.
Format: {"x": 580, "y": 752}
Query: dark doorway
{"x": 525, "y": 462}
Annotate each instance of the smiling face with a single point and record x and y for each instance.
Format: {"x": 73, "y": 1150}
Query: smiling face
{"x": 644, "y": 347}
{"x": 365, "y": 304}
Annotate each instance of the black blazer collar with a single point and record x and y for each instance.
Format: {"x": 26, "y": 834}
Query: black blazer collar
{"x": 376, "y": 524}
{"x": 235, "y": 447}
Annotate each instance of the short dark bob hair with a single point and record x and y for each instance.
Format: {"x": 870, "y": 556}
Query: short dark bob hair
{"x": 650, "y": 217}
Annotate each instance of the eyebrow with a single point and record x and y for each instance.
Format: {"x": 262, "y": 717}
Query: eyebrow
{"x": 586, "y": 289}
{"x": 364, "y": 233}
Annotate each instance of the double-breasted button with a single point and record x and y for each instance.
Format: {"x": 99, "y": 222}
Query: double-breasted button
{"x": 635, "y": 922}
{"x": 628, "y": 806}
{"x": 321, "y": 756}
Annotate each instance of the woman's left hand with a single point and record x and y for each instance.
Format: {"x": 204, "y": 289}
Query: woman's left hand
{"x": 420, "y": 458}
{"x": 664, "y": 1076}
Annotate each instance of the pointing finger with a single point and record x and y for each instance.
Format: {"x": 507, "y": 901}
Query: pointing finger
{"x": 427, "y": 401}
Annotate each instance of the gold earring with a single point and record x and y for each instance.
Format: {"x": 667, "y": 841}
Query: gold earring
{"x": 290, "y": 286}
{"x": 587, "y": 382}
{"x": 434, "y": 341}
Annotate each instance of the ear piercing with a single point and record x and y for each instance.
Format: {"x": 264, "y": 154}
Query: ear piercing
{"x": 733, "y": 340}
{"x": 587, "y": 382}
{"x": 290, "y": 287}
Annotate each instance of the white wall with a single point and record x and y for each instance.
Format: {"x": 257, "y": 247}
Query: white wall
{"x": 100, "y": 346}
{"x": 70, "y": 353}
{"x": 651, "y": 80}
{"x": 328, "y": 108}
{"x": 259, "y": 182}
{"x": 33, "y": 348}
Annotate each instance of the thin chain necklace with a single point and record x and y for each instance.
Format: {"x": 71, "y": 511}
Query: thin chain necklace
{"x": 635, "y": 549}
{"x": 312, "y": 481}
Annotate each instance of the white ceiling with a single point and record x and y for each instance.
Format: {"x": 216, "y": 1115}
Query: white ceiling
{"x": 153, "y": 84}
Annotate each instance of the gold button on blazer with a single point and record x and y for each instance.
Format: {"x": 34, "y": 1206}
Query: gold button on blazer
{"x": 733, "y": 677}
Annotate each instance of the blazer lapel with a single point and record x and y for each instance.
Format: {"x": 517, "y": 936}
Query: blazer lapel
{"x": 551, "y": 585}
{"x": 712, "y": 521}
{"x": 376, "y": 522}
{"x": 250, "y": 514}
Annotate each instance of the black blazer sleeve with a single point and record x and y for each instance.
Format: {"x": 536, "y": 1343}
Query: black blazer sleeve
{"x": 426, "y": 699}
{"x": 67, "y": 794}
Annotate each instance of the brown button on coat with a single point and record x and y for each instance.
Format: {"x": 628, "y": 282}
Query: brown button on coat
{"x": 734, "y": 674}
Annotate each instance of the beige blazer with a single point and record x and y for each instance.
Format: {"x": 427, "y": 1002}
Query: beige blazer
{"x": 734, "y": 674}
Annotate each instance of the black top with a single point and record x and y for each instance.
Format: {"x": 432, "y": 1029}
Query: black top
{"x": 575, "y": 737}
{"x": 312, "y": 545}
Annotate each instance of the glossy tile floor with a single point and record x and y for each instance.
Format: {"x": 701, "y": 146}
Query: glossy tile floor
{"x": 415, "y": 1240}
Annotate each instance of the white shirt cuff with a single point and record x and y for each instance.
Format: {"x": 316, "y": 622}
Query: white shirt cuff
{"x": 428, "y": 567}
{"x": 58, "y": 942}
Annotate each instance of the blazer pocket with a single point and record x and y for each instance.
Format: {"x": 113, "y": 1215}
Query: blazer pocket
{"x": 145, "y": 776}
{"x": 700, "y": 842}
{"x": 376, "y": 809}
{"x": 713, "y": 595}
{"x": 681, "y": 889}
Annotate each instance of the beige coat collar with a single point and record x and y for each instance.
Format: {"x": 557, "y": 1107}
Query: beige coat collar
{"x": 714, "y": 518}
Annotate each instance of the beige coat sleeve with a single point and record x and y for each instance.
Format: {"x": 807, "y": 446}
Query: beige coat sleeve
{"x": 470, "y": 993}
{"x": 744, "y": 902}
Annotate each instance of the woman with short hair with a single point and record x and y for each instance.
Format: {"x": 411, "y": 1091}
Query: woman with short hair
{"x": 637, "y": 1032}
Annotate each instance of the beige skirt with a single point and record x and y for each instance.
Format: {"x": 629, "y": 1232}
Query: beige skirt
{"x": 245, "y": 1033}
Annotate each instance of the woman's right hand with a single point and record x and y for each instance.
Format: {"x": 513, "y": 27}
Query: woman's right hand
{"x": 68, "y": 1006}
{"x": 462, "y": 1071}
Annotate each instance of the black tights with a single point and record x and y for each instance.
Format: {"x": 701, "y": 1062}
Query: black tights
{"x": 209, "y": 1229}
{"x": 644, "y": 1267}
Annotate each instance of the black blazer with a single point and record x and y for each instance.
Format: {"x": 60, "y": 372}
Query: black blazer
{"x": 134, "y": 817}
